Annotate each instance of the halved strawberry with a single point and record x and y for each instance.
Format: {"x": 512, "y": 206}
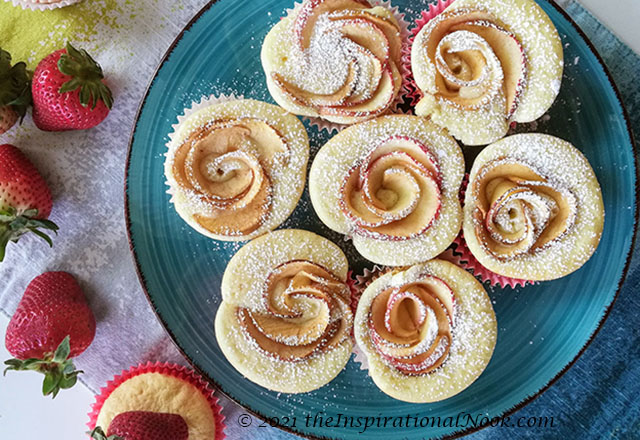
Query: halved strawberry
{"x": 144, "y": 425}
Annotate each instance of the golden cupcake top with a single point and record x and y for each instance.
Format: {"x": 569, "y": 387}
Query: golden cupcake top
{"x": 236, "y": 169}
{"x": 162, "y": 393}
{"x": 335, "y": 59}
{"x": 482, "y": 64}
{"x": 427, "y": 331}
{"x": 533, "y": 208}
{"x": 391, "y": 184}
{"x": 285, "y": 319}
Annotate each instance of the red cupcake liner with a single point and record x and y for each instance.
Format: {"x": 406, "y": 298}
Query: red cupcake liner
{"x": 469, "y": 262}
{"x": 414, "y": 94}
{"x": 174, "y": 370}
{"x": 355, "y": 294}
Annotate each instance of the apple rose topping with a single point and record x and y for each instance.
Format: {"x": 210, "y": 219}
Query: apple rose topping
{"x": 412, "y": 326}
{"x": 394, "y": 193}
{"x": 222, "y": 169}
{"x": 475, "y": 58}
{"x": 349, "y": 59}
{"x": 518, "y": 210}
{"x": 306, "y": 312}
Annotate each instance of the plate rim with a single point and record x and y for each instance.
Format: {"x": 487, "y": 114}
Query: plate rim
{"x": 456, "y": 434}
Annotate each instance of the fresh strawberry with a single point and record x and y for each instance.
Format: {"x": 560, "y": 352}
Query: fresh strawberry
{"x": 8, "y": 118}
{"x": 15, "y": 91}
{"x": 144, "y": 425}
{"x": 25, "y": 199}
{"x": 52, "y": 324}
{"x": 69, "y": 92}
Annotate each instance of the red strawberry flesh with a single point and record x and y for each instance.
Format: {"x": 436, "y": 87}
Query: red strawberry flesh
{"x": 69, "y": 92}
{"x": 25, "y": 198}
{"x": 145, "y": 425}
{"x": 53, "y": 306}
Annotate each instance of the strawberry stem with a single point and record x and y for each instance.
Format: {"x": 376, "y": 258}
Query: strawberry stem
{"x": 14, "y": 225}
{"x": 98, "y": 434}
{"x": 85, "y": 74}
{"x": 59, "y": 371}
{"x": 15, "y": 84}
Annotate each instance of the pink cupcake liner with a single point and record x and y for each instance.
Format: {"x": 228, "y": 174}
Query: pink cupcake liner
{"x": 360, "y": 283}
{"x": 469, "y": 262}
{"x": 355, "y": 294}
{"x": 174, "y": 370}
{"x": 414, "y": 94}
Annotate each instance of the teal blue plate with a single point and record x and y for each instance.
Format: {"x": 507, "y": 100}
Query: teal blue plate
{"x": 542, "y": 328}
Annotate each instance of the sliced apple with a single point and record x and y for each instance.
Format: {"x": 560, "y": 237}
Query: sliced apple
{"x": 368, "y": 35}
{"x": 379, "y": 102}
{"x": 299, "y": 331}
{"x": 420, "y": 219}
{"x": 273, "y": 348}
{"x": 310, "y": 99}
{"x": 386, "y": 23}
{"x": 411, "y": 146}
{"x": 361, "y": 93}
{"x": 267, "y": 139}
{"x": 299, "y": 276}
{"x": 510, "y": 53}
{"x": 425, "y": 362}
{"x": 239, "y": 221}
{"x": 311, "y": 10}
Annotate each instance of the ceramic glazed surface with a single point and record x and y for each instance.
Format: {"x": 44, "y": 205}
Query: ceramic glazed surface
{"x": 542, "y": 328}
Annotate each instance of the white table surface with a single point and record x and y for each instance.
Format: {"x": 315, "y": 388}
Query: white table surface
{"x": 21, "y": 403}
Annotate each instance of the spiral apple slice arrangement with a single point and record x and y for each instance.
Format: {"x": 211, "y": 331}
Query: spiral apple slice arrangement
{"x": 236, "y": 169}
{"x": 394, "y": 193}
{"x": 392, "y": 185}
{"x": 482, "y": 65}
{"x": 410, "y": 326}
{"x": 427, "y": 331}
{"x": 335, "y": 59}
{"x": 307, "y": 312}
{"x": 285, "y": 320}
{"x": 526, "y": 215}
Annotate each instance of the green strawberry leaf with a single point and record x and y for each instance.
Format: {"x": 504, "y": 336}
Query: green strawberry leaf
{"x": 51, "y": 383}
{"x": 14, "y": 225}
{"x": 68, "y": 381}
{"x": 98, "y": 434}
{"x": 86, "y": 74}
{"x": 15, "y": 84}
{"x": 62, "y": 352}
{"x": 59, "y": 371}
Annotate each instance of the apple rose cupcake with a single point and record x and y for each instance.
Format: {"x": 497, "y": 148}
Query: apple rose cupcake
{"x": 483, "y": 64}
{"x": 236, "y": 169}
{"x": 339, "y": 60}
{"x": 391, "y": 184}
{"x": 427, "y": 332}
{"x": 158, "y": 400}
{"x": 285, "y": 318}
{"x": 533, "y": 209}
